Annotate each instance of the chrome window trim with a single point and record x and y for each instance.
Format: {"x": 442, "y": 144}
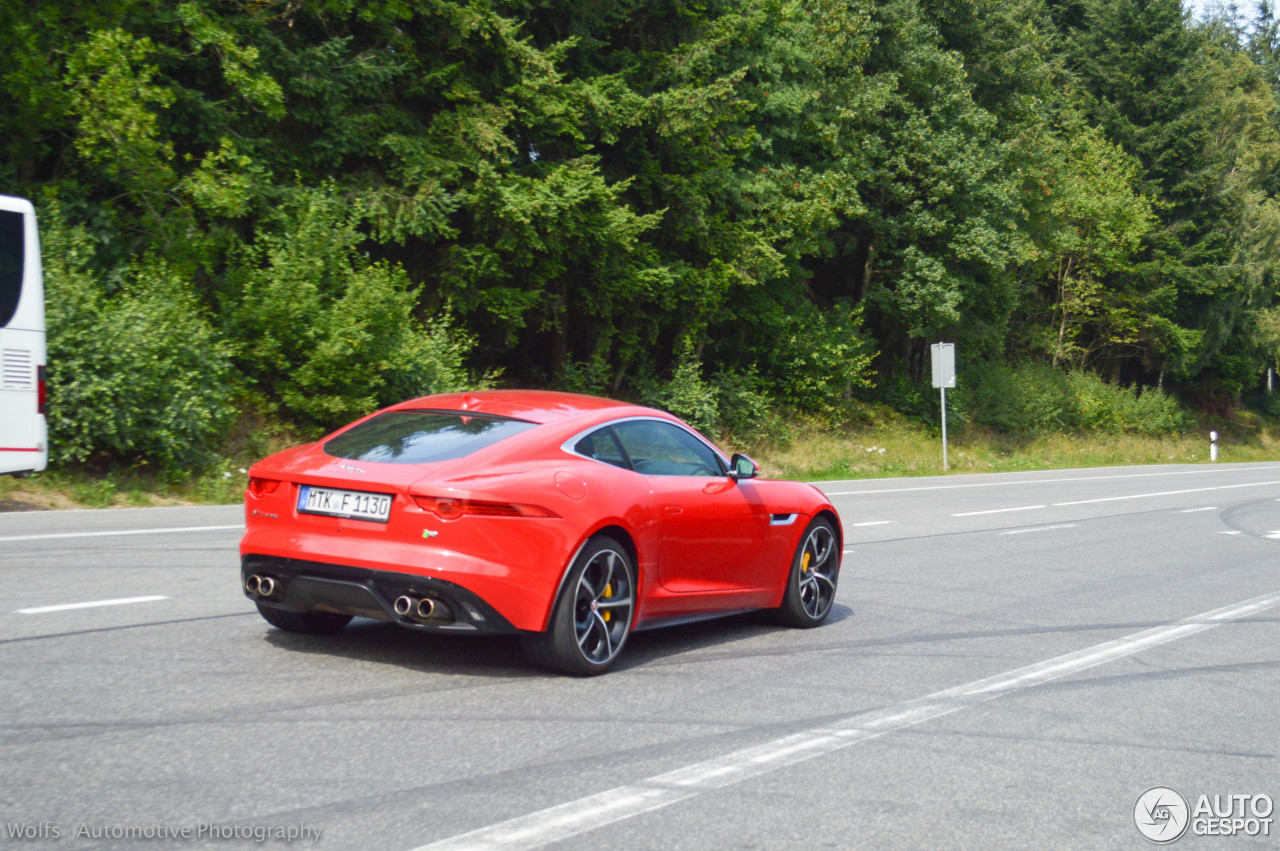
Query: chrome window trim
{"x": 568, "y": 445}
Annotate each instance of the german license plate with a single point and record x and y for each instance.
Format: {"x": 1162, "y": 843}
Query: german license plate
{"x": 340, "y": 503}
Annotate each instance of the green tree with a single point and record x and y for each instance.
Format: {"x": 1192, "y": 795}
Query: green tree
{"x": 329, "y": 334}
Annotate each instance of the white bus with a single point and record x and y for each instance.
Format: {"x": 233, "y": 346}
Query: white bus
{"x": 24, "y": 433}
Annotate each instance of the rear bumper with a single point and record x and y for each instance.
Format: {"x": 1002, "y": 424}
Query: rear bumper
{"x": 361, "y": 592}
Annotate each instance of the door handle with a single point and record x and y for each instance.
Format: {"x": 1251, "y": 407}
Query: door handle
{"x": 674, "y": 509}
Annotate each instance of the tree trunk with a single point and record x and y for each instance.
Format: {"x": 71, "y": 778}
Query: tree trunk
{"x": 1064, "y": 275}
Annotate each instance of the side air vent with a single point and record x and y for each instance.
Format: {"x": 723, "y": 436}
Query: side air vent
{"x": 16, "y": 370}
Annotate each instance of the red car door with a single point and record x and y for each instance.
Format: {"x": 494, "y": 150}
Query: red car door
{"x": 712, "y": 528}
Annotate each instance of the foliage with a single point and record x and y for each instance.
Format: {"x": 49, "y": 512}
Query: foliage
{"x": 727, "y": 207}
{"x": 1034, "y": 397}
{"x": 332, "y": 335}
{"x": 688, "y": 396}
{"x": 732, "y": 405}
{"x": 141, "y": 375}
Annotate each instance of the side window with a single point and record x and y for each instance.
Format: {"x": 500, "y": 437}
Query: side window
{"x": 12, "y": 251}
{"x": 662, "y": 449}
{"x": 602, "y": 445}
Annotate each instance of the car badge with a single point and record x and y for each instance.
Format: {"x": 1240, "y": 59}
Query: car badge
{"x": 352, "y": 469}
{"x": 428, "y": 533}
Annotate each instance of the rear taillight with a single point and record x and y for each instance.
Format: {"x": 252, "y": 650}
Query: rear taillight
{"x": 443, "y": 506}
{"x": 262, "y": 487}
{"x": 42, "y": 391}
{"x": 449, "y": 508}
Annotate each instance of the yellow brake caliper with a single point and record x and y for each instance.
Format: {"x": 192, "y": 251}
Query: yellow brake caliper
{"x": 804, "y": 563}
{"x": 608, "y": 592}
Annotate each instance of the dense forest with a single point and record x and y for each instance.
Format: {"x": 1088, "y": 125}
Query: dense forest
{"x": 302, "y": 209}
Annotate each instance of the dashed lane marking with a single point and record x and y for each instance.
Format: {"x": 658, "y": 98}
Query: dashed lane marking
{"x": 40, "y": 610}
{"x": 160, "y": 531}
{"x": 998, "y": 510}
{"x": 1040, "y": 529}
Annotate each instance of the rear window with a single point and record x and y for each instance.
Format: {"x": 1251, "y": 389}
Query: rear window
{"x": 420, "y": 437}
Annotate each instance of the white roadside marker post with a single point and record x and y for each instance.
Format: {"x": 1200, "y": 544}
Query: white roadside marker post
{"x": 1213, "y": 446}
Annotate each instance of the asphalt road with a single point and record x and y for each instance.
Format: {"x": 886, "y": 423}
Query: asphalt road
{"x": 1011, "y": 662}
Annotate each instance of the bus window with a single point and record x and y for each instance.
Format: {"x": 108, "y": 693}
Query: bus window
{"x": 11, "y": 256}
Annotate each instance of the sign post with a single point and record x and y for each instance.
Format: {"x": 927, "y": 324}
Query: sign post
{"x": 944, "y": 376}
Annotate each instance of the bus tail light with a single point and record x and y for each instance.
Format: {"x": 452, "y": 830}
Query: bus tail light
{"x": 42, "y": 391}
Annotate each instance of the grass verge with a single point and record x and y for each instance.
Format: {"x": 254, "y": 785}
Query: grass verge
{"x": 888, "y": 445}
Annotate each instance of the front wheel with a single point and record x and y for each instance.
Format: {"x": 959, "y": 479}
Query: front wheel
{"x": 815, "y": 569}
{"x": 593, "y": 614}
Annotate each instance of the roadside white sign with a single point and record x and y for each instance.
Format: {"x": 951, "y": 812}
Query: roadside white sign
{"x": 944, "y": 364}
{"x": 944, "y": 376}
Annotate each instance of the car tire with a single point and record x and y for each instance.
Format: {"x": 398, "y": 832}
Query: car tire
{"x": 811, "y": 583}
{"x": 593, "y": 613}
{"x": 308, "y": 623}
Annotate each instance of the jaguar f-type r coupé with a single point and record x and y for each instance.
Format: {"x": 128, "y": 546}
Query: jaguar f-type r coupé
{"x": 568, "y": 520}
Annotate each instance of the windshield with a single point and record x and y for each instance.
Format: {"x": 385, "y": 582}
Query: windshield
{"x": 420, "y": 437}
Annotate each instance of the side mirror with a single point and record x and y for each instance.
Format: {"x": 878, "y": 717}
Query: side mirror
{"x": 742, "y": 467}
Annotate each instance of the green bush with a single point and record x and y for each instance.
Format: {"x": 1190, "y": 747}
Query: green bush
{"x": 591, "y": 376}
{"x": 819, "y": 357}
{"x": 139, "y": 375}
{"x": 1033, "y": 396}
{"x": 687, "y": 395}
{"x": 729, "y": 404}
{"x": 1029, "y": 397}
{"x": 747, "y": 411}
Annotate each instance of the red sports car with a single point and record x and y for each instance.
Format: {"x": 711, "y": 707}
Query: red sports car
{"x": 567, "y": 520}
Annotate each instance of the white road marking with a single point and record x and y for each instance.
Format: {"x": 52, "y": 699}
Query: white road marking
{"x": 161, "y": 531}
{"x": 873, "y": 523}
{"x": 1194, "y": 510}
{"x": 958, "y": 486}
{"x": 1273, "y": 535}
{"x": 661, "y": 790}
{"x": 1040, "y": 529}
{"x": 1162, "y": 493}
{"x": 1229, "y": 533}
{"x": 997, "y": 510}
{"x": 39, "y": 610}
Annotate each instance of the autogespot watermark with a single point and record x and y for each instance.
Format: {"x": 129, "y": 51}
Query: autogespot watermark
{"x": 1162, "y": 815}
{"x": 200, "y": 832}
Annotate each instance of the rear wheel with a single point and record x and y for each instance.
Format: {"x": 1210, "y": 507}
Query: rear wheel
{"x": 310, "y": 623}
{"x": 593, "y": 614}
{"x": 815, "y": 569}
